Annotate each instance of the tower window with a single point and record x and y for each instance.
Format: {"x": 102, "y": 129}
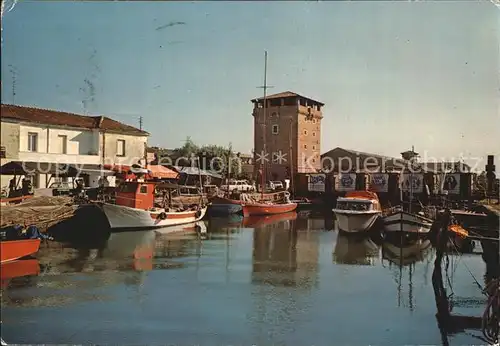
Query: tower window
{"x": 314, "y": 147}
{"x": 275, "y": 129}
{"x": 305, "y": 146}
{"x": 305, "y": 132}
{"x": 314, "y": 134}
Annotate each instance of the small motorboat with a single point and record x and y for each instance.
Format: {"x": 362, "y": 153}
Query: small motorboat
{"x": 134, "y": 209}
{"x": 357, "y": 211}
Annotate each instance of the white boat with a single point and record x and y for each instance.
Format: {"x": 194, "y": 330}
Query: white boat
{"x": 134, "y": 209}
{"x": 402, "y": 221}
{"x": 357, "y": 211}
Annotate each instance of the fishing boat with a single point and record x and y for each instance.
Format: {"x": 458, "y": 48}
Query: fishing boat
{"x": 11, "y": 250}
{"x": 399, "y": 220}
{"x": 134, "y": 209}
{"x": 268, "y": 207}
{"x": 405, "y": 218}
{"x": 357, "y": 211}
{"x": 263, "y": 207}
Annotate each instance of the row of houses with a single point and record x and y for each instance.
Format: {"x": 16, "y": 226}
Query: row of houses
{"x": 47, "y": 138}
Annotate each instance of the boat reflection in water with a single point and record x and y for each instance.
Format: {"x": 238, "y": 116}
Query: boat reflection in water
{"x": 283, "y": 255}
{"x": 403, "y": 253}
{"x": 355, "y": 249}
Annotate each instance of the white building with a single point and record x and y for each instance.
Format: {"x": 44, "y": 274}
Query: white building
{"x": 47, "y": 138}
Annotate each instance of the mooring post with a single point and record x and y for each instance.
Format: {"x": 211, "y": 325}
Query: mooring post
{"x": 443, "y": 311}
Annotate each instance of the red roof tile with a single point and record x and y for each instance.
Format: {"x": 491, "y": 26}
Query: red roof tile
{"x": 51, "y": 117}
{"x": 285, "y": 94}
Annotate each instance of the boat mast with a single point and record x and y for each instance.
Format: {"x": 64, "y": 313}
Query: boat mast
{"x": 291, "y": 157}
{"x": 263, "y": 174}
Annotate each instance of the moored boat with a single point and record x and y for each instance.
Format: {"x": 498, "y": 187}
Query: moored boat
{"x": 134, "y": 209}
{"x": 11, "y": 250}
{"x": 251, "y": 208}
{"x": 406, "y": 222}
{"x": 357, "y": 211}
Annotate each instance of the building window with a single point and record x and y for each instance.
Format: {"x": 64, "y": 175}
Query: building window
{"x": 314, "y": 147}
{"x": 305, "y": 132}
{"x": 144, "y": 189}
{"x": 120, "y": 147}
{"x": 314, "y": 121}
{"x": 275, "y": 129}
{"x": 3, "y": 152}
{"x": 314, "y": 134}
{"x": 305, "y": 146}
{"x": 32, "y": 141}
{"x": 63, "y": 144}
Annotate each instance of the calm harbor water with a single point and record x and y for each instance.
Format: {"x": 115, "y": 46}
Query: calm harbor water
{"x": 281, "y": 281}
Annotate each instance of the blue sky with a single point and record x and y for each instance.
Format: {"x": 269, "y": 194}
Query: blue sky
{"x": 392, "y": 74}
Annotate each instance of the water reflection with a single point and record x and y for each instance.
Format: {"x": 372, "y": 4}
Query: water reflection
{"x": 403, "y": 253}
{"x": 355, "y": 249}
{"x": 283, "y": 255}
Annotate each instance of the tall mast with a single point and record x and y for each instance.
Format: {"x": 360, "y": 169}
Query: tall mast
{"x": 263, "y": 175}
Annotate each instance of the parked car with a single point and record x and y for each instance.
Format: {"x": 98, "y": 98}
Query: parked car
{"x": 238, "y": 185}
{"x": 276, "y": 185}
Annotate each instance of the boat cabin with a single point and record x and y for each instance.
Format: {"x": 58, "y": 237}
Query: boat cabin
{"x": 354, "y": 204}
{"x": 136, "y": 194}
{"x": 359, "y": 200}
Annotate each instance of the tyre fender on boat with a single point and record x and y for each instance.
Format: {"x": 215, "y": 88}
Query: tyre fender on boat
{"x": 162, "y": 215}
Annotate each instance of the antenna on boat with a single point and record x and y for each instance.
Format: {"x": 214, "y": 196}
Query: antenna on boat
{"x": 265, "y": 87}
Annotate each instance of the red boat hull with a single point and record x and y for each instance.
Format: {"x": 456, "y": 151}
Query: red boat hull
{"x": 251, "y": 209}
{"x": 11, "y": 250}
{"x": 16, "y": 269}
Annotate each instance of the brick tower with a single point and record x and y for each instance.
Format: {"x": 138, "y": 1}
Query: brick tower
{"x": 292, "y": 129}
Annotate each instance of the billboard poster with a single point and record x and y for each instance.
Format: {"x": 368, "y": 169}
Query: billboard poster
{"x": 451, "y": 183}
{"x": 379, "y": 182}
{"x": 417, "y": 183}
{"x": 346, "y": 182}
{"x": 316, "y": 182}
